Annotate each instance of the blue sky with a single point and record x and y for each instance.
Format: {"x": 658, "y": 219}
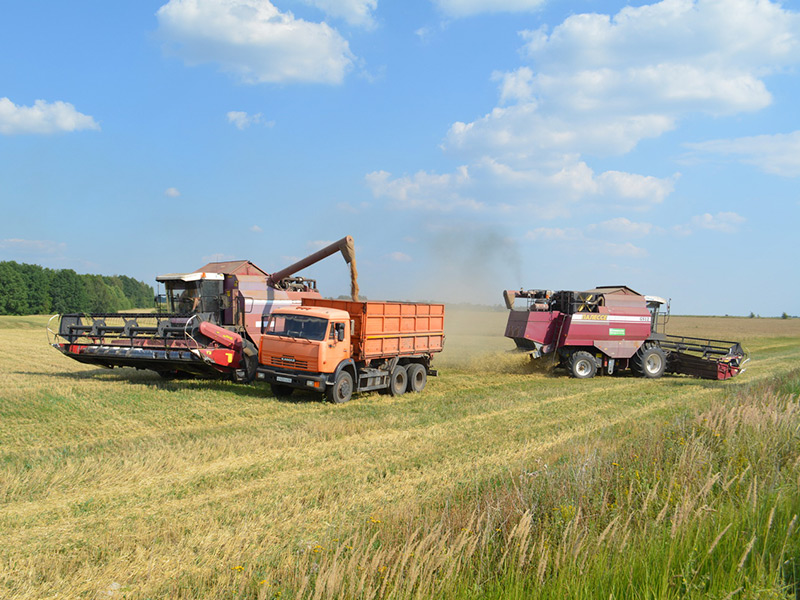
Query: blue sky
{"x": 468, "y": 146}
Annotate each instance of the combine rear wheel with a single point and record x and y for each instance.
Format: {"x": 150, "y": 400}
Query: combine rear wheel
{"x": 398, "y": 381}
{"x": 247, "y": 364}
{"x": 417, "y": 377}
{"x": 649, "y": 361}
{"x": 582, "y": 365}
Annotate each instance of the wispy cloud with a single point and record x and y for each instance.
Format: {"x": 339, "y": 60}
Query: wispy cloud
{"x": 42, "y": 118}
{"x": 242, "y": 120}
{"x": 775, "y": 154}
{"x": 468, "y": 8}
{"x": 33, "y": 247}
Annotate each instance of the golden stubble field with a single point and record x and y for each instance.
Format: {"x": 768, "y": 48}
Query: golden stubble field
{"x": 117, "y": 484}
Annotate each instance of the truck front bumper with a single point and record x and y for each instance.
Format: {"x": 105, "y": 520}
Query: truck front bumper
{"x": 316, "y": 382}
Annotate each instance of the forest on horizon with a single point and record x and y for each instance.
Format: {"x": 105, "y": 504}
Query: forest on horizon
{"x": 27, "y": 289}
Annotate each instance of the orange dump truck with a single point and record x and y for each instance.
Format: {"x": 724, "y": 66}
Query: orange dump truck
{"x": 339, "y": 347}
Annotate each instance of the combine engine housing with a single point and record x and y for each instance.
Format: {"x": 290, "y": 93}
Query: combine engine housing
{"x": 612, "y": 328}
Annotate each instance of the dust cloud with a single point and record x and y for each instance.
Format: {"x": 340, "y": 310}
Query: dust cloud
{"x": 473, "y": 265}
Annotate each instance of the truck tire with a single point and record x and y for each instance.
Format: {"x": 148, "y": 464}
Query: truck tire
{"x": 649, "y": 362}
{"x": 281, "y": 391}
{"x": 398, "y": 381}
{"x": 248, "y": 363}
{"x": 342, "y": 389}
{"x": 417, "y": 377}
{"x": 582, "y": 365}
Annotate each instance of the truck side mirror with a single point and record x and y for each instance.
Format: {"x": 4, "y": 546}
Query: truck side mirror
{"x": 340, "y": 332}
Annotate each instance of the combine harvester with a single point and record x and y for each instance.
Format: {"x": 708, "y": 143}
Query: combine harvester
{"x": 213, "y": 325}
{"x": 609, "y": 329}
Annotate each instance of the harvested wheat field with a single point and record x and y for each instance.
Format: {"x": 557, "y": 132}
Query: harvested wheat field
{"x": 501, "y": 480}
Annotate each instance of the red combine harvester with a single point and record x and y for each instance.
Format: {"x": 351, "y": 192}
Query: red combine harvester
{"x": 611, "y": 328}
{"x": 212, "y": 326}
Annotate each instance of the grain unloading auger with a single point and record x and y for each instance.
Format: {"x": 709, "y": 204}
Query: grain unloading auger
{"x": 608, "y": 329}
{"x": 212, "y": 326}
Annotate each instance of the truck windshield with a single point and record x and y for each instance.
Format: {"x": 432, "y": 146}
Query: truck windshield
{"x": 297, "y": 326}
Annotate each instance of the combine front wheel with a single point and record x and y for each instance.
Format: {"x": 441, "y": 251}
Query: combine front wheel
{"x": 649, "y": 361}
{"x": 582, "y": 365}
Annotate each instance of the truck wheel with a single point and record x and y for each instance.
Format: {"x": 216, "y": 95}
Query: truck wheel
{"x": 398, "y": 381}
{"x": 342, "y": 389}
{"x": 248, "y": 363}
{"x": 417, "y": 377}
{"x": 281, "y": 391}
{"x": 649, "y": 361}
{"x": 582, "y": 365}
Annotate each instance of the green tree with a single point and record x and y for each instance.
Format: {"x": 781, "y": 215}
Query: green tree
{"x": 37, "y": 280}
{"x": 68, "y": 292}
{"x": 13, "y": 291}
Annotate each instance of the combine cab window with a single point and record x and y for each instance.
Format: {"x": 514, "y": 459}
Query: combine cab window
{"x": 297, "y": 326}
{"x": 189, "y": 297}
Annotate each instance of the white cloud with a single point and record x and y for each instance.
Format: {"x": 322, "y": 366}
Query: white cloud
{"x": 776, "y": 154}
{"x": 468, "y": 8}
{"x": 624, "y": 226}
{"x": 256, "y": 229}
{"x": 573, "y": 240}
{"x": 255, "y": 41}
{"x": 241, "y": 120}
{"x": 427, "y": 191}
{"x": 42, "y": 118}
{"x": 598, "y": 85}
{"x": 355, "y": 12}
{"x": 399, "y": 257}
{"x": 547, "y": 193}
{"x": 172, "y": 192}
{"x": 724, "y": 222}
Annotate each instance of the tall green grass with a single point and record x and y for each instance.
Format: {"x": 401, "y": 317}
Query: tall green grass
{"x": 702, "y": 506}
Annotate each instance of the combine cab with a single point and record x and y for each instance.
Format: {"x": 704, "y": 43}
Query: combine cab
{"x": 608, "y": 329}
{"x": 211, "y": 327}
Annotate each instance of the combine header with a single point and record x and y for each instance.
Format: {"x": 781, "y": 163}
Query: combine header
{"x": 212, "y": 327}
{"x": 612, "y": 328}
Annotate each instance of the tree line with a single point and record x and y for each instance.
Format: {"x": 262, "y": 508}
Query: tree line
{"x": 31, "y": 289}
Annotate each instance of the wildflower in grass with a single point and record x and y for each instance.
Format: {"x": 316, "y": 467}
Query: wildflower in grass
{"x": 238, "y": 568}
{"x": 374, "y": 520}
{"x": 615, "y": 464}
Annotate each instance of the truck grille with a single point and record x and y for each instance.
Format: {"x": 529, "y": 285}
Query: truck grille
{"x": 288, "y": 362}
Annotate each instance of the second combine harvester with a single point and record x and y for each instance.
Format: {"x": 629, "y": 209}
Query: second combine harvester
{"x": 612, "y": 328}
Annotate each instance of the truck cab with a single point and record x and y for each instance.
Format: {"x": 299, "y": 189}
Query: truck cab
{"x": 309, "y": 342}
